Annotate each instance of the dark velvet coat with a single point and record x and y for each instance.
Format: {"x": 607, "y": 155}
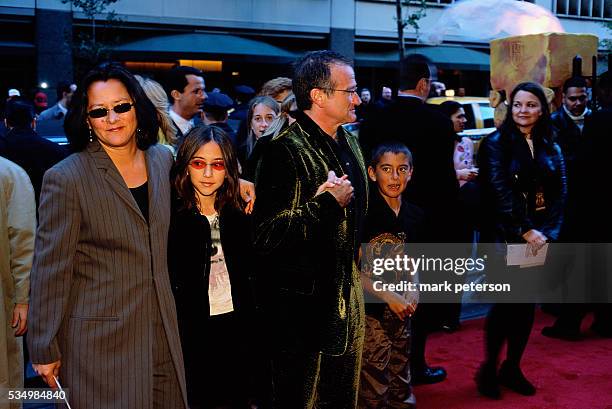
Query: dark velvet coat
{"x": 305, "y": 243}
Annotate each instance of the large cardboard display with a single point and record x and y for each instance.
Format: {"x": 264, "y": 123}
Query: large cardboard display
{"x": 542, "y": 58}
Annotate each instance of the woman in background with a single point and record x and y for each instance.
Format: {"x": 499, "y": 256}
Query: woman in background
{"x": 166, "y": 135}
{"x": 524, "y": 190}
{"x": 288, "y": 107}
{"x": 467, "y": 212}
{"x": 263, "y": 111}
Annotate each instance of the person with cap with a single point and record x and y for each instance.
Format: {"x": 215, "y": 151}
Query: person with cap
{"x": 13, "y": 94}
{"x": 242, "y": 95}
{"x": 215, "y": 112}
{"x": 60, "y": 109}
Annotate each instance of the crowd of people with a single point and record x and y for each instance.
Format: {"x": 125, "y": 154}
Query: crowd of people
{"x": 196, "y": 251}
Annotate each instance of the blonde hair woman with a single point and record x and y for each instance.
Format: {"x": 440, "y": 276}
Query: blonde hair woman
{"x": 166, "y": 134}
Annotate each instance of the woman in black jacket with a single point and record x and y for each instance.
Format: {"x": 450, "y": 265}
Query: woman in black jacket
{"x": 209, "y": 264}
{"x": 522, "y": 177}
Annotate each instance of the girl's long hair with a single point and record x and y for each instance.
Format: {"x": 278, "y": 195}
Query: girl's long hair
{"x": 229, "y": 193}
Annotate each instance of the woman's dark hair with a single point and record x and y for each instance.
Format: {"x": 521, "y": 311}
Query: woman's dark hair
{"x": 389, "y": 147}
{"x": 542, "y": 130}
{"x": 449, "y": 108}
{"x": 229, "y": 192}
{"x": 75, "y": 125}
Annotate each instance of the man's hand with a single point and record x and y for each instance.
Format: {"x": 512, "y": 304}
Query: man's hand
{"x": 340, "y": 188}
{"x": 20, "y": 319}
{"x": 247, "y": 192}
{"x": 399, "y": 305}
{"x": 535, "y": 240}
{"x": 48, "y": 371}
{"x": 331, "y": 182}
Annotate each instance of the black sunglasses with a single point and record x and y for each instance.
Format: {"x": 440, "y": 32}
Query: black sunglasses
{"x": 102, "y": 112}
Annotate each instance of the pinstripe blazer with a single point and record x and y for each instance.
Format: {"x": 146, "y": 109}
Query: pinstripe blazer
{"x": 98, "y": 267}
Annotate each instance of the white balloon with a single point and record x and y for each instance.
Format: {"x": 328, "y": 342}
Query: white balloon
{"x": 487, "y": 20}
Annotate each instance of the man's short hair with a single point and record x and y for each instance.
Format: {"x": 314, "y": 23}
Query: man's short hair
{"x": 413, "y": 68}
{"x": 574, "y": 82}
{"x": 176, "y": 79}
{"x": 313, "y": 70}
{"x": 19, "y": 113}
{"x": 276, "y": 86}
{"x": 61, "y": 88}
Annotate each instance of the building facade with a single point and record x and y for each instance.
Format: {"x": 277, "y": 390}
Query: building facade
{"x": 248, "y": 41}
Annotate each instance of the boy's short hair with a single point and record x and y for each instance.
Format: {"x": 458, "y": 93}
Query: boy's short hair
{"x": 392, "y": 147}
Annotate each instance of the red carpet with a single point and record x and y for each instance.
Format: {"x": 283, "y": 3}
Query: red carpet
{"x": 567, "y": 375}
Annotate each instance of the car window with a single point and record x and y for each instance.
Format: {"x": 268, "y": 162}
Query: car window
{"x": 487, "y": 112}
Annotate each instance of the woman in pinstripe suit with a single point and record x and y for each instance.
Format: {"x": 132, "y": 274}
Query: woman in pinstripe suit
{"x": 103, "y": 319}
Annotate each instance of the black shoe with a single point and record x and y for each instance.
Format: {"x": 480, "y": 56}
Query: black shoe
{"x": 487, "y": 383}
{"x": 430, "y": 374}
{"x": 512, "y": 377}
{"x": 564, "y": 334}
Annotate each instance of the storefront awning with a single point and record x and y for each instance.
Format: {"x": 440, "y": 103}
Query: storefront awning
{"x": 446, "y": 57}
{"x": 208, "y": 45}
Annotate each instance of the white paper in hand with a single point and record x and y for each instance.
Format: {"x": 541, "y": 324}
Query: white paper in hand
{"x": 520, "y": 255}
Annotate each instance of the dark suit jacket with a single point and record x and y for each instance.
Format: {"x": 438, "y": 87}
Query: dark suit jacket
{"x": 305, "y": 242}
{"x": 33, "y": 153}
{"x": 98, "y": 269}
{"x": 569, "y": 138}
{"x": 430, "y": 137}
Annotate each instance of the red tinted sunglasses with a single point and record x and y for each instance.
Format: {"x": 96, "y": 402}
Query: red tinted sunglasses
{"x": 199, "y": 164}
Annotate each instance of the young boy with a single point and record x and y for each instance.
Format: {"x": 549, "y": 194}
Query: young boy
{"x": 385, "y": 373}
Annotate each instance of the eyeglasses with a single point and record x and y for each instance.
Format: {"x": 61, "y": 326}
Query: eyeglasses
{"x": 102, "y": 112}
{"x": 580, "y": 98}
{"x": 199, "y": 164}
{"x": 351, "y": 92}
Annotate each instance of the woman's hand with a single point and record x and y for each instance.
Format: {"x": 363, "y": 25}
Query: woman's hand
{"x": 247, "y": 193}
{"x": 48, "y": 371}
{"x": 20, "y": 319}
{"x": 466, "y": 174}
{"x": 535, "y": 240}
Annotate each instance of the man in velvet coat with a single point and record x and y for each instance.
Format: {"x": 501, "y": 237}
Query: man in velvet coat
{"x": 311, "y": 202}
